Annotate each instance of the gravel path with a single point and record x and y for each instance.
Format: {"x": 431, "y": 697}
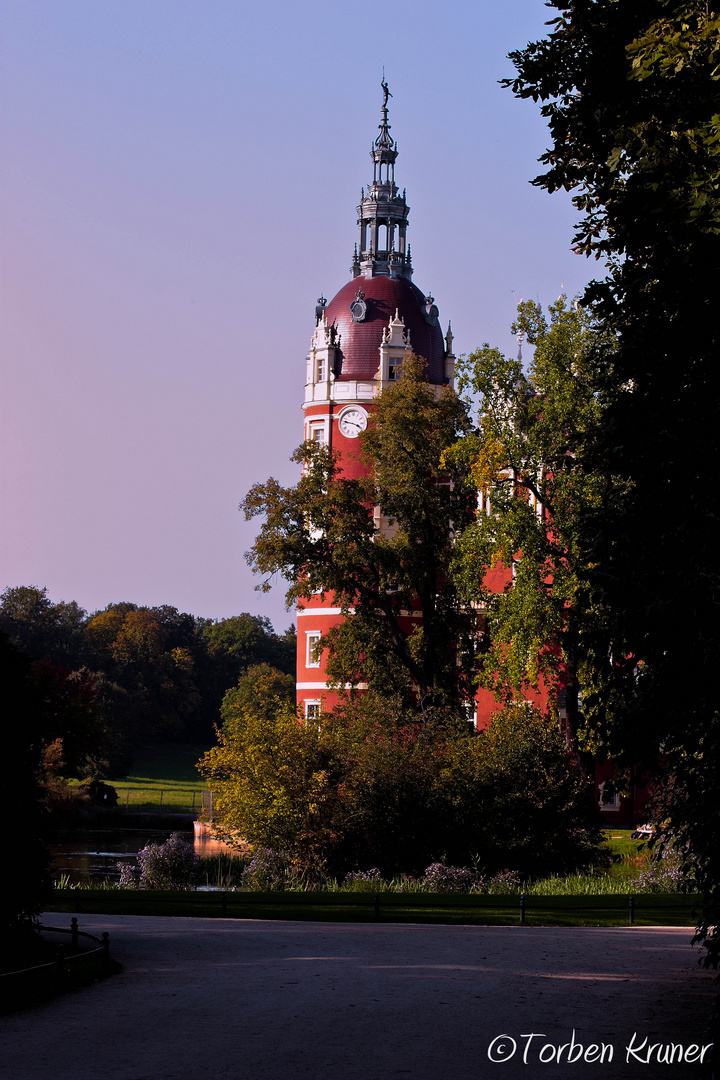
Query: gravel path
{"x": 258, "y": 1000}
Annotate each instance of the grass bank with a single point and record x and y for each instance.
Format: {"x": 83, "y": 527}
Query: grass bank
{"x": 576, "y": 910}
{"x": 164, "y": 779}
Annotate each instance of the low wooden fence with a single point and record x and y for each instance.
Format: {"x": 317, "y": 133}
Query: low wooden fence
{"x": 42, "y": 980}
{"x": 601, "y": 909}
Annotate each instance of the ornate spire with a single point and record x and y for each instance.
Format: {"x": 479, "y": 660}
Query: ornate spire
{"x": 382, "y": 213}
{"x": 385, "y": 149}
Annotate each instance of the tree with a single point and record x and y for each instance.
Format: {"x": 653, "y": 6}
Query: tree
{"x": 632, "y": 94}
{"x": 322, "y": 536}
{"x": 371, "y": 786}
{"x": 42, "y": 629}
{"x": 241, "y": 642}
{"x": 268, "y": 781}
{"x": 70, "y": 714}
{"x": 538, "y": 812}
{"x": 152, "y": 654}
{"x": 542, "y": 504}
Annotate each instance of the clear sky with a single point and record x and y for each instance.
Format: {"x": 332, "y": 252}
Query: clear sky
{"x": 178, "y": 185}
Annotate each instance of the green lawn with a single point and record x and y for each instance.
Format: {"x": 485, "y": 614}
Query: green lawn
{"x": 628, "y": 856}
{"x": 163, "y": 777}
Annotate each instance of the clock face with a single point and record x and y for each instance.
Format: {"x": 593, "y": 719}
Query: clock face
{"x": 352, "y": 422}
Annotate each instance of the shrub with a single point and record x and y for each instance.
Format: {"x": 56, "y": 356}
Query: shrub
{"x": 129, "y": 875}
{"x": 441, "y": 878}
{"x": 507, "y": 881}
{"x": 172, "y": 865}
{"x": 662, "y": 874}
{"x": 268, "y": 870}
{"x": 379, "y": 785}
{"x": 364, "y": 881}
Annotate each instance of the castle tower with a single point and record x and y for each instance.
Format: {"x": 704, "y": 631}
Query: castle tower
{"x": 361, "y": 337}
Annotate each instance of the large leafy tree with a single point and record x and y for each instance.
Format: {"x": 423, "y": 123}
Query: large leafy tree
{"x": 527, "y": 558}
{"x": 632, "y": 94}
{"x": 151, "y": 653}
{"x": 382, "y": 546}
{"x": 242, "y": 641}
{"x": 42, "y": 629}
{"x": 269, "y": 785}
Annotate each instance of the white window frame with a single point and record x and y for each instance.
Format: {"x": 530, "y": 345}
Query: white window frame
{"x": 313, "y": 710}
{"x": 312, "y": 638}
{"x": 317, "y": 432}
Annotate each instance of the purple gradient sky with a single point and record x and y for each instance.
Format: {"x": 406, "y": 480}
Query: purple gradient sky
{"x": 178, "y": 185}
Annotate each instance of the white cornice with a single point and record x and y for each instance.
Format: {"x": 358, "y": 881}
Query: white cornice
{"x": 320, "y": 611}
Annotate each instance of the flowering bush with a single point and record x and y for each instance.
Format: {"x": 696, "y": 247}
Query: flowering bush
{"x": 129, "y": 875}
{"x": 172, "y": 865}
{"x": 268, "y": 870}
{"x": 441, "y": 878}
{"x": 364, "y": 881}
{"x": 507, "y": 881}
{"x": 662, "y": 874}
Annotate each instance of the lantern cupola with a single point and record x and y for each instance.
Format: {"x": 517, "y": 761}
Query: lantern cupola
{"x": 383, "y": 213}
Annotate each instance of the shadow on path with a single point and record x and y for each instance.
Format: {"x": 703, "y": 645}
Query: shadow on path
{"x": 259, "y": 1000}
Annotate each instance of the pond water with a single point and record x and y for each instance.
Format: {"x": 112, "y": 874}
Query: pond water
{"x": 88, "y": 856}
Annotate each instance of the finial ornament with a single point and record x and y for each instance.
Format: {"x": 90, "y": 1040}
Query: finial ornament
{"x": 320, "y": 308}
{"x": 430, "y": 311}
{"x": 386, "y": 92}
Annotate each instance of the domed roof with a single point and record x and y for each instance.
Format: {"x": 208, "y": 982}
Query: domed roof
{"x": 360, "y": 341}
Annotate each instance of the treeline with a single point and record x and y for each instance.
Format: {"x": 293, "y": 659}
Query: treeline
{"x": 110, "y": 680}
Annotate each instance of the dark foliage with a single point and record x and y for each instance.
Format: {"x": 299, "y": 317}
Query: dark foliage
{"x": 26, "y": 854}
{"x": 632, "y": 94}
{"x": 379, "y": 785}
{"x": 127, "y": 675}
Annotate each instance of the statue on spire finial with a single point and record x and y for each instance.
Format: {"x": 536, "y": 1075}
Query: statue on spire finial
{"x": 386, "y": 91}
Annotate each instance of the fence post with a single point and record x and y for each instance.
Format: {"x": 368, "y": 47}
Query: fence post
{"x": 161, "y": 797}
{"x": 193, "y": 805}
{"x": 522, "y": 909}
{"x": 631, "y": 911}
{"x": 74, "y": 933}
{"x": 127, "y": 796}
{"x": 224, "y": 903}
{"x": 377, "y": 905}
